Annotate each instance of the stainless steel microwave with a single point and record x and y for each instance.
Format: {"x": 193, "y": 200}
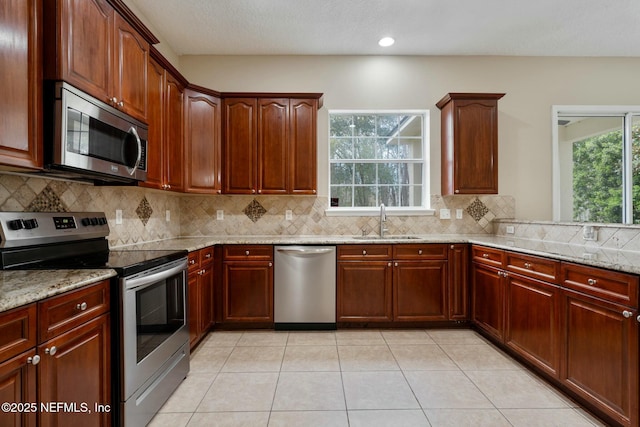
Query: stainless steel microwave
{"x": 94, "y": 140}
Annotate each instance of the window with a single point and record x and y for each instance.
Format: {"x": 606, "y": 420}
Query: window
{"x": 378, "y": 157}
{"x": 597, "y": 164}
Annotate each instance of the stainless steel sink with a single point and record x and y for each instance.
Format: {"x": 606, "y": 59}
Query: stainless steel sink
{"x": 385, "y": 237}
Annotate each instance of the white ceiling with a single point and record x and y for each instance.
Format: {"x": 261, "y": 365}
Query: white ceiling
{"x": 420, "y": 27}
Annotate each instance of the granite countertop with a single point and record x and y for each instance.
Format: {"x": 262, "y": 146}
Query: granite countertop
{"x": 20, "y": 287}
{"x": 613, "y": 259}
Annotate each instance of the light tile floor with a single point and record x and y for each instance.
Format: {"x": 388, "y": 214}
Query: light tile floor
{"x": 362, "y": 378}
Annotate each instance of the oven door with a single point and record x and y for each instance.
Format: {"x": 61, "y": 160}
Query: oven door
{"x": 154, "y": 321}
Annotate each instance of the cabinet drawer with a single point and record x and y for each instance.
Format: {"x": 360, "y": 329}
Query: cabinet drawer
{"x": 17, "y": 331}
{"x": 248, "y": 252}
{"x": 352, "y": 252}
{"x": 206, "y": 255}
{"x": 533, "y": 266}
{"x": 489, "y": 256}
{"x": 194, "y": 260}
{"x": 64, "y": 312}
{"x": 609, "y": 285}
{"x": 420, "y": 251}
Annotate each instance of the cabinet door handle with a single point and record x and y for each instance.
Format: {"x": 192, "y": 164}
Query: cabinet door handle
{"x": 627, "y": 314}
{"x": 592, "y": 282}
{"x": 82, "y": 307}
{"x": 51, "y": 351}
{"x": 33, "y": 360}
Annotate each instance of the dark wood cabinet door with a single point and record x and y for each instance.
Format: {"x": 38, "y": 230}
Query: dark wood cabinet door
{"x": 303, "y": 146}
{"x": 487, "y": 299}
{"x": 600, "y": 359}
{"x": 18, "y": 385}
{"x": 469, "y": 134}
{"x": 155, "y": 117}
{"x": 206, "y": 299}
{"x": 79, "y": 370}
{"x": 86, "y": 45}
{"x": 458, "y": 282}
{"x": 240, "y": 150}
{"x": 273, "y": 145}
{"x": 130, "y": 72}
{"x": 202, "y": 143}
{"x": 174, "y": 144}
{"x": 21, "y": 86}
{"x": 364, "y": 291}
{"x": 194, "y": 309}
{"x": 532, "y": 322}
{"x": 420, "y": 290}
{"x": 248, "y": 291}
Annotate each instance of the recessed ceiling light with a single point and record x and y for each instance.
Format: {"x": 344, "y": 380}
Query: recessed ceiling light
{"x": 386, "y": 41}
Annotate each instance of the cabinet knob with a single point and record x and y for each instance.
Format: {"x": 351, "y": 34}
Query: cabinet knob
{"x": 638, "y": 318}
{"x": 51, "y": 351}
{"x": 246, "y": 253}
{"x": 120, "y": 104}
{"x": 528, "y": 265}
{"x": 270, "y": 264}
{"x": 627, "y": 314}
{"x": 396, "y": 264}
{"x": 192, "y": 261}
{"x": 207, "y": 255}
{"x": 81, "y": 307}
{"x": 452, "y": 247}
{"x": 592, "y": 282}
{"x": 364, "y": 252}
{"x": 485, "y": 256}
{"x": 419, "y": 251}
{"x": 33, "y": 360}
{"x": 253, "y": 191}
{"x": 389, "y": 264}
{"x": 314, "y": 191}
{"x": 456, "y": 191}
{"x": 114, "y": 100}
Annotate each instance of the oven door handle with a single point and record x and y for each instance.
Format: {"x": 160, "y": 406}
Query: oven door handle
{"x": 145, "y": 281}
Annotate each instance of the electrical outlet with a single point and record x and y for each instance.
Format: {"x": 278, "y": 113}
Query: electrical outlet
{"x": 511, "y": 229}
{"x": 167, "y": 215}
{"x": 445, "y": 213}
{"x": 459, "y": 213}
{"x": 220, "y": 215}
{"x": 118, "y": 216}
{"x": 288, "y": 215}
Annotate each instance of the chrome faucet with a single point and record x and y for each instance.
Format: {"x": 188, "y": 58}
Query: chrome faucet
{"x": 383, "y": 219}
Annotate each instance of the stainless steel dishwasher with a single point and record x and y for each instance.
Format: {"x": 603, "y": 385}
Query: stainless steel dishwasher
{"x": 304, "y": 287}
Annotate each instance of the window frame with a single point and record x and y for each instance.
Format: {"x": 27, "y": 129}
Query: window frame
{"x": 425, "y": 208}
{"x": 627, "y": 112}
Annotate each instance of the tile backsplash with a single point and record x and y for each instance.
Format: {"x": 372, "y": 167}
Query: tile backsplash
{"x": 144, "y": 212}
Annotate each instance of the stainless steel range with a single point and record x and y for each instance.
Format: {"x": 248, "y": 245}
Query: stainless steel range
{"x": 151, "y": 335}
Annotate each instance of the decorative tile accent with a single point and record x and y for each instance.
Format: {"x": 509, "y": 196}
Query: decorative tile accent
{"x": 477, "y": 210}
{"x": 254, "y": 210}
{"x": 47, "y": 201}
{"x": 144, "y": 211}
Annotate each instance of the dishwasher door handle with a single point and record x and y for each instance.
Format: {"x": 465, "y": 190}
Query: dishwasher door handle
{"x": 305, "y": 252}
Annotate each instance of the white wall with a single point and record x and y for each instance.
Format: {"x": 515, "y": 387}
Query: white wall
{"x": 532, "y": 86}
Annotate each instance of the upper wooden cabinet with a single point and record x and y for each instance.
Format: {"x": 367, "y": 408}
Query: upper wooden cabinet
{"x": 21, "y": 85}
{"x": 270, "y": 144}
{"x": 202, "y": 133}
{"x": 469, "y": 134}
{"x": 165, "y": 139}
{"x": 91, "y": 46}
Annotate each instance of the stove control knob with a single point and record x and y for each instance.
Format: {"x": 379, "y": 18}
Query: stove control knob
{"x": 30, "y": 223}
{"x": 15, "y": 224}
{"x": 85, "y": 222}
{"x": 94, "y": 221}
{"x": 103, "y": 221}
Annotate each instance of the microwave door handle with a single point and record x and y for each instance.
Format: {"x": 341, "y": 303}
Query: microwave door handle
{"x": 135, "y": 166}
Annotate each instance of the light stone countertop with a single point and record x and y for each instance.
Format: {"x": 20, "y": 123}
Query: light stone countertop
{"x": 20, "y": 287}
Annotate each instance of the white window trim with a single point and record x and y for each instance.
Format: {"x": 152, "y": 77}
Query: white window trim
{"x": 587, "y": 110}
{"x": 425, "y": 209}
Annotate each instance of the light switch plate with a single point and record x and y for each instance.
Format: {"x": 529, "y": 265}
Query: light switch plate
{"x": 511, "y": 229}
{"x": 459, "y": 213}
{"x": 445, "y": 213}
{"x": 219, "y": 215}
{"x": 167, "y": 215}
{"x": 288, "y": 215}
{"x": 118, "y": 216}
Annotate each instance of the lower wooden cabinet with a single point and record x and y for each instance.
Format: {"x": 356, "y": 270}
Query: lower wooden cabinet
{"x": 364, "y": 291}
{"x": 532, "y": 321}
{"x": 419, "y": 290}
{"x": 600, "y": 358}
{"x": 70, "y": 362}
{"x": 487, "y": 300}
{"x": 247, "y": 284}
{"x": 200, "y": 291}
